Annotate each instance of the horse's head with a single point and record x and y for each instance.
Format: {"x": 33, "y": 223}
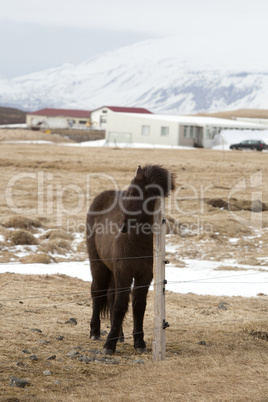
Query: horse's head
{"x": 138, "y": 200}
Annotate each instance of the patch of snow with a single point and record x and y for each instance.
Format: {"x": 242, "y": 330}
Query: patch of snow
{"x": 102, "y": 143}
{"x": 197, "y": 277}
{"x": 226, "y": 138}
{"x": 22, "y": 125}
{"x": 234, "y": 240}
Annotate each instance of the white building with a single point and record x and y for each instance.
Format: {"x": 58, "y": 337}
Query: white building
{"x": 100, "y": 116}
{"x": 58, "y": 118}
{"x": 254, "y": 120}
{"x": 170, "y": 130}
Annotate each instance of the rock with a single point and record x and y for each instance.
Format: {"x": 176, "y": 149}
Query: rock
{"x": 202, "y": 343}
{"x": 20, "y": 364}
{"x": 140, "y": 361}
{"x": 34, "y": 358}
{"x": 53, "y": 357}
{"x": 222, "y": 306}
{"x": 59, "y": 338}
{"x": 72, "y": 321}
{"x": 27, "y": 351}
{"x": 257, "y": 206}
{"x": 18, "y": 382}
{"x": 86, "y": 359}
{"x": 47, "y": 372}
{"x": 36, "y": 330}
{"x": 107, "y": 360}
{"x": 93, "y": 351}
{"x": 43, "y": 342}
{"x": 73, "y": 354}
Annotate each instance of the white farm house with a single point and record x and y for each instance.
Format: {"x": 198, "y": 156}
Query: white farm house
{"x": 170, "y": 130}
{"x": 58, "y": 118}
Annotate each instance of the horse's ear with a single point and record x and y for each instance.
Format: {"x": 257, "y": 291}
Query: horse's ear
{"x": 138, "y": 171}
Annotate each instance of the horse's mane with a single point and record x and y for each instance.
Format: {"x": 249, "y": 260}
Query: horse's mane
{"x": 159, "y": 176}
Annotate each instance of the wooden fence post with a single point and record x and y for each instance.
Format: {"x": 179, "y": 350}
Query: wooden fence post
{"x": 159, "y": 341}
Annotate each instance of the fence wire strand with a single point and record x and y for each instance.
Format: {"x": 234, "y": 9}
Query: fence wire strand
{"x": 115, "y": 290}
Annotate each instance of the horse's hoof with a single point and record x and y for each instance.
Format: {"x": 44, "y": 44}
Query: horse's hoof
{"x": 95, "y": 338}
{"x": 141, "y": 350}
{"x": 121, "y": 339}
{"x": 108, "y": 352}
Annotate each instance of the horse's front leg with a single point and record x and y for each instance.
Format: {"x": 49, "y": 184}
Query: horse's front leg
{"x": 119, "y": 310}
{"x": 139, "y": 296}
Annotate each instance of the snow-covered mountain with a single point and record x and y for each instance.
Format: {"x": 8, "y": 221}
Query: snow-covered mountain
{"x": 157, "y": 74}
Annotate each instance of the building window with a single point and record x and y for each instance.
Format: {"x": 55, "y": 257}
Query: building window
{"x": 164, "y": 131}
{"x": 103, "y": 119}
{"x": 145, "y": 130}
{"x": 191, "y": 132}
{"x": 70, "y": 122}
{"x": 82, "y": 121}
{"x": 185, "y": 131}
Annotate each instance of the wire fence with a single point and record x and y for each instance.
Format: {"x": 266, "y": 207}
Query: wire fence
{"x": 113, "y": 291}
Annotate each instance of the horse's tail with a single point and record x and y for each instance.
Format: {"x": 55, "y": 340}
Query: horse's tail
{"x": 104, "y": 306}
{"x": 103, "y": 301}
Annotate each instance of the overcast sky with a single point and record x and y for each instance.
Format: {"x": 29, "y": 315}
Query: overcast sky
{"x": 39, "y": 34}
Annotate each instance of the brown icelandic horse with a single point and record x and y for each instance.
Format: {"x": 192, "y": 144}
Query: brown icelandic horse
{"x": 120, "y": 246}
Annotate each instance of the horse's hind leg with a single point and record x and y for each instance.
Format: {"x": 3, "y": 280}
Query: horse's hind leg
{"x": 122, "y": 290}
{"x": 99, "y": 287}
{"x": 139, "y": 296}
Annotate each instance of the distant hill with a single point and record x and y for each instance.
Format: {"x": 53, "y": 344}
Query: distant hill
{"x": 10, "y": 115}
{"x": 158, "y": 74}
{"x": 246, "y": 113}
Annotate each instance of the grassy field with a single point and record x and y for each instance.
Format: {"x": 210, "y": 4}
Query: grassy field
{"x": 213, "y": 353}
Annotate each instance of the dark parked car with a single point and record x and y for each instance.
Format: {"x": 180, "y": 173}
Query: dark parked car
{"x": 250, "y": 144}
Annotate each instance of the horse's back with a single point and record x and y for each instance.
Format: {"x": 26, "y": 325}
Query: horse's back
{"x": 103, "y": 201}
{"x": 103, "y": 211}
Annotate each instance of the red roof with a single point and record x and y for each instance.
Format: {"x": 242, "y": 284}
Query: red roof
{"x": 62, "y": 112}
{"x": 121, "y": 109}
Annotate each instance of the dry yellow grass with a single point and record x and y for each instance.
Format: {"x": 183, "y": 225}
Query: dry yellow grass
{"x": 249, "y": 113}
{"x": 6, "y": 134}
{"x": 22, "y": 237}
{"x": 21, "y": 222}
{"x": 41, "y": 258}
{"x": 212, "y": 354}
